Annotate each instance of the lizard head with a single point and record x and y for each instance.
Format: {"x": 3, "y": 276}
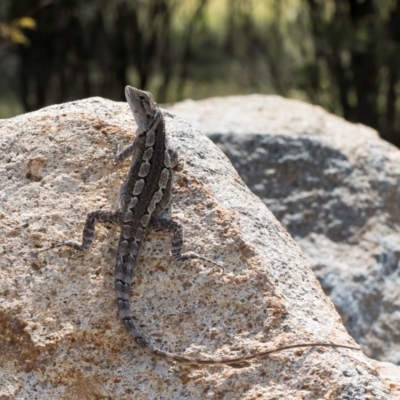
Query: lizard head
{"x": 143, "y": 106}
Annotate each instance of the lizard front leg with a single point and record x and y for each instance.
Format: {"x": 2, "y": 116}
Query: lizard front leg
{"x": 114, "y": 217}
{"x": 128, "y": 151}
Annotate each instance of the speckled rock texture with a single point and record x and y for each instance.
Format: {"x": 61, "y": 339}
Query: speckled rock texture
{"x": 335, "y": 187}
{"x": 390, "y": 373}
{"x": 60, "y": 335}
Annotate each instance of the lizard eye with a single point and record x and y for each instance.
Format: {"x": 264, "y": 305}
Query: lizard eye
{"x": 148, "y": 116}
{"x": 141, "y": 98}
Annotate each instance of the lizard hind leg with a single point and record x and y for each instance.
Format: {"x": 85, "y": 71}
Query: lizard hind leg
{"x": 165, "y": 224}
{"x": 114, "y": 217}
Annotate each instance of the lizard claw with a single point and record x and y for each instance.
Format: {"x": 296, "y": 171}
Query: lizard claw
{"x": 190, "y": 255}
{"x": 76, "y": 246}
{"x": 53, "y": 246}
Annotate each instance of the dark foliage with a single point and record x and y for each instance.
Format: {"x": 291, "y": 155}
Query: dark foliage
{"x": 342, "y": 54}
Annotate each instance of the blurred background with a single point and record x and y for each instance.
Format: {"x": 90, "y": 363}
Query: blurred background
{"x": 341, "y": 54}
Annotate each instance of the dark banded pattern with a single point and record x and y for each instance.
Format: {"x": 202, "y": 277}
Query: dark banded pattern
{"x": 151, "y": 178}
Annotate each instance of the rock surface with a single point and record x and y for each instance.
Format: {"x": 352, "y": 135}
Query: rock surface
{"x": 335, "y": 187}
{"x": 61, "y": 337}
{"x": 390, "y": 373}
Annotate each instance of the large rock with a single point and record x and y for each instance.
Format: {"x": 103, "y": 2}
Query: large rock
{"x": 61, "y": 337}
{"x": 335, "y": 186}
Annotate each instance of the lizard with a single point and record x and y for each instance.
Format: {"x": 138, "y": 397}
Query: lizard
{"x": 145, "y": 198}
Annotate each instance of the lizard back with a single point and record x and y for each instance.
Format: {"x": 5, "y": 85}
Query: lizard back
{"x": 145, "y": 192}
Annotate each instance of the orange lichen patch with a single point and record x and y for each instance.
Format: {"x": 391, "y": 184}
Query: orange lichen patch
{"x": 81, "y": 386}
{"x": 109, "y": 129}
{"x": 16, "y": 344}
{"x": 34, "y": 169}
{"x": 228, "y": 220}
{"x": 98, "y": 342}
{"x": 159, "y": 267}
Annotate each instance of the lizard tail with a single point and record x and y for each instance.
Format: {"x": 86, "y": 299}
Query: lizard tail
{"x": 210, "y": 360}
{"x": 238, "y": 359}
{"x": 122, "y": 288}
